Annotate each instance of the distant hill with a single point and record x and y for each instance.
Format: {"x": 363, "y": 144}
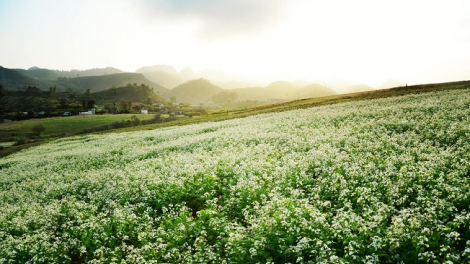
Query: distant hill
{"x": 310, "y": 91}
{"x": 300, "y": 83}
{"x": 169, "y": 77}
{"x": 250, "y": 93}
{"x": 234, "y": 84}
{"x": 166, "y": 68}
{"x": 13, "y": 80}
{"x": 358, "y": 89}
{"x": 280, "y": 89}
{"x": 195, "y": 91}
{"x": 96, "y": 72}
{"x": 39, "y": 73}
{"x": 215, "y": 75}
{"x": 48, "y": 74}
{"x": 275, "y": 90}
{"x": 134, "y": 93}
{"x": 99, "y": 83}
{"x": 164, "y": 78}
{"x": 187, "y": 74}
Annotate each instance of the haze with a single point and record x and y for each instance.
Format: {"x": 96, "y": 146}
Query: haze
{"x": 363, "y": 41}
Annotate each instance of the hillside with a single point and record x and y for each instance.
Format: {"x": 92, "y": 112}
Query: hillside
{"x": 99, "y": 83}
{"x": 13, "y": 80}
{"x": 48, "y": 74}
{"x": 139, "y": 93}
{"x": 195, "y": 92}
{"x": 164, "y": 78}
{"x": 165, "y": 68}
{"x": 382, "y": 180}
{"x": 311, "y": 90}
{"x": 40, "y": 73}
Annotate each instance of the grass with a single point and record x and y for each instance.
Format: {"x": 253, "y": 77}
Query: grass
{"x": 55, "y": 127}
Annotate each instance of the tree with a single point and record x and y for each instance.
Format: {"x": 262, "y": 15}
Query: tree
{"x": 136, "y": 121}
{"x": 38, "y": 129}
{"x": 52, "y": 91}
{"x": 173, "y": 99}
{"x": 1, "y": 89}
{"x": 91, "y": 103}
{"x": 125, "y": 106}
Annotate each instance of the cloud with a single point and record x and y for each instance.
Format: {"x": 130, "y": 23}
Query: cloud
{"x": 219, "y": 18}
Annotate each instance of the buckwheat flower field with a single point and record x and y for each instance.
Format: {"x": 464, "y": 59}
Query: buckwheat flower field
{"x": 378, "y": 181}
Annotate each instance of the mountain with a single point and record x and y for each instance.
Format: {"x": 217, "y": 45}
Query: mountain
{"x": 235, "y": 84}
{"x": 280, "y": 89}
{"x": 339, "y": 85}
{"x": 164, "y": 78}
{"x": 95, "y": 72}
{"x": 166, "y": 68}
{"x": 215, "y": 75}
{"x": 99, "y": 83}
{"x": 13, "y": 80}
{"x": 275, "y": 90}
{"x": 38, "y": 73}
{"x": 195, "y": 92}
{"x": 358, "y": 89}
{"x": 135, "y": 93}
{"x": 310, "y": 91}
{"x": 48, "y": 74}
{"x": 250, "y": 93}
{"x": 187, "y": 74}
{"x": 300, "y": 83}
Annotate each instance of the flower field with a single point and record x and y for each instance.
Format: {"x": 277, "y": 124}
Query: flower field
{"x": 379, "y": 181}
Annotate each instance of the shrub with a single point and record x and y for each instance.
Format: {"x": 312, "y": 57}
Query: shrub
{"x": 38, "y": 129}
{"x": 21, "y": 141}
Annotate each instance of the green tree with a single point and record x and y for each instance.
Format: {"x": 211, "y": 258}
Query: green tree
{"x": 125, "y": 106}
{"x": 136, "y": 121}
{"x": 91, "y": 103}
{"x": 52, "y": 91}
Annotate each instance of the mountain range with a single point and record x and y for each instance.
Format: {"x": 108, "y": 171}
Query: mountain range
{"x": 186, "y": 85}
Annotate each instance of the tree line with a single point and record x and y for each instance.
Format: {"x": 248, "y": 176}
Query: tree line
{"x": 33, "y": 102}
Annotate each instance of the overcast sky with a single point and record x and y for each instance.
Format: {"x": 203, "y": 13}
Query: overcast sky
{"x": 368, "y": 41}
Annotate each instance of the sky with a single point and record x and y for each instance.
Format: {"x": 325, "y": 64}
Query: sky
{"x": 362, "y": 41}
